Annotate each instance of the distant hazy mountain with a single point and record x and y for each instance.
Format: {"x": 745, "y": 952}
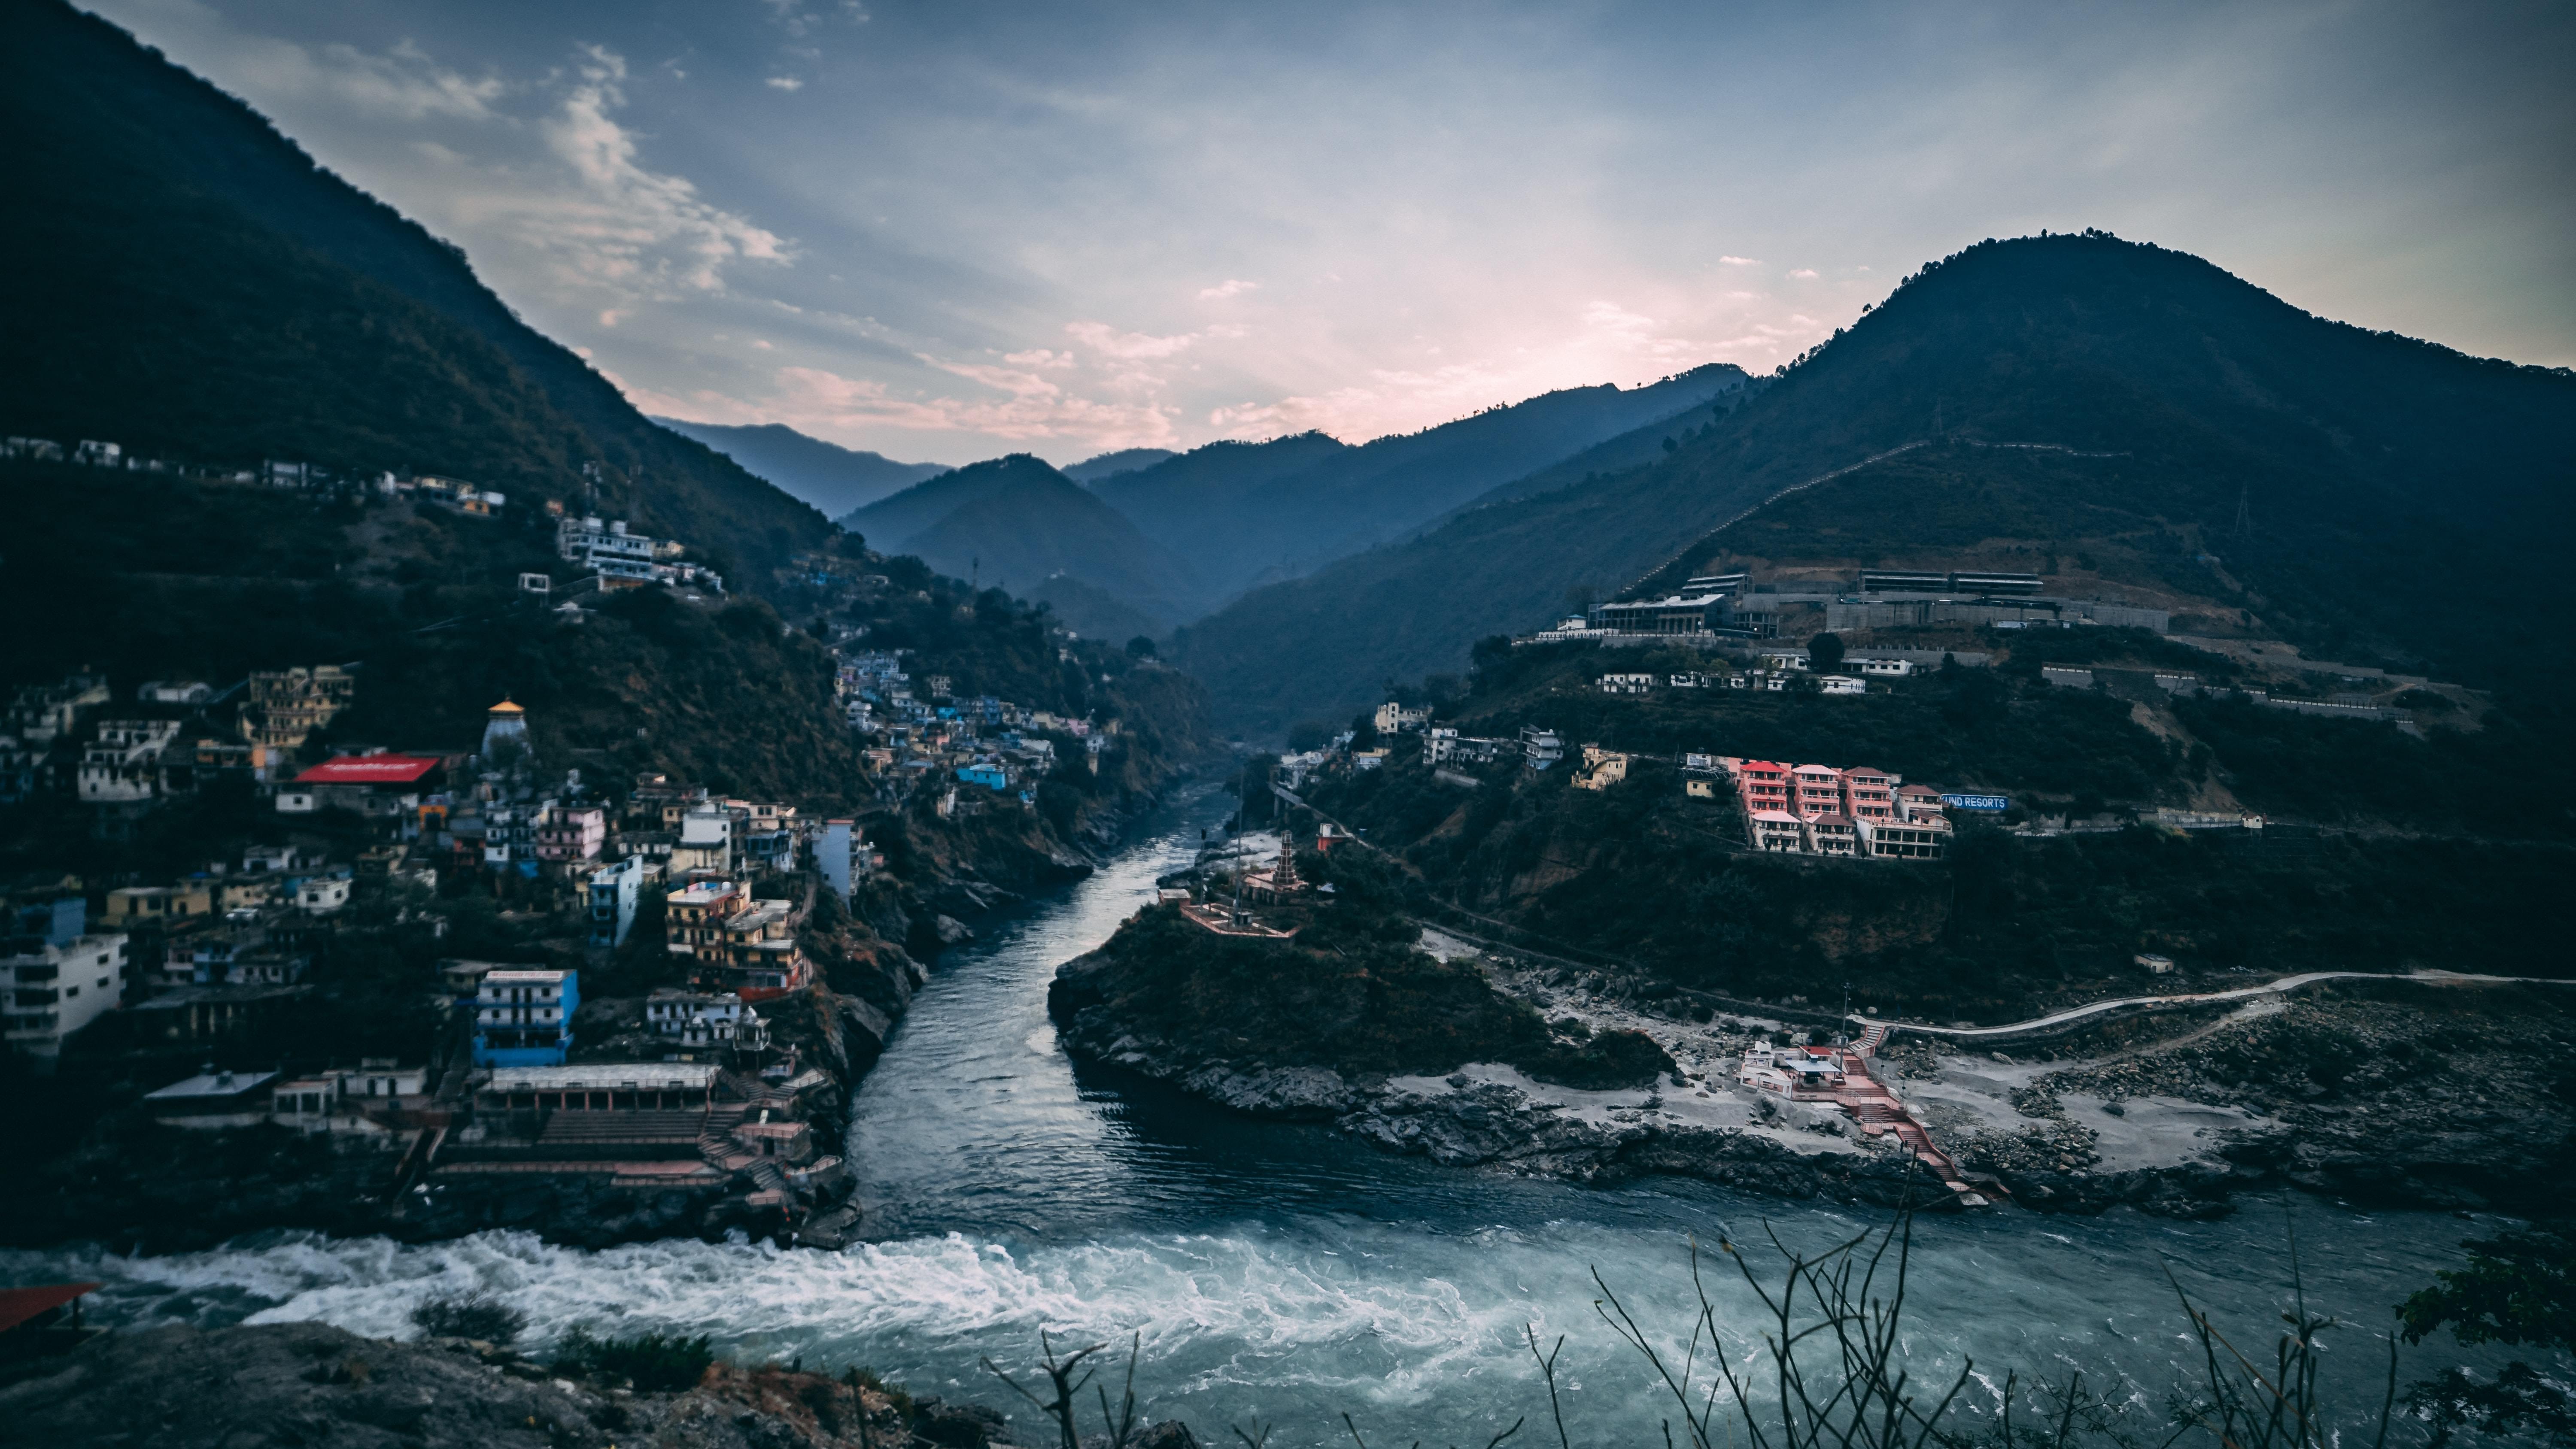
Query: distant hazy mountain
{"x": 1017, "y": 523}
{"x": 1248, "y": 513}
{"x": 827, "y": 475}
{"x": 2359, "y": 492}
{"x": 180, "y": 278}
{"x": 1110, "y": 465}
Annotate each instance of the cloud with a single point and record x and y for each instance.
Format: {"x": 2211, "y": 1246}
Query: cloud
{"x": 402, "y": 84}
{"x": 621, "y": 224}
{"x": 1739, "y": 261}
{"x": 822, "y": 402}
{"x": 1108, "y": 341}
{"x": 784, "y": 83}
{"x": 1231, "y": 287}
{"x": 1803, "y": 274}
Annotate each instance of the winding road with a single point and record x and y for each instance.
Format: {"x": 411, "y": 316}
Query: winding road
{"x": 2279, "y": 987}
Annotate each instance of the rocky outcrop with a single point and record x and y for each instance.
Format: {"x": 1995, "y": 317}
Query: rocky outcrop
{"x": 310, "y": 1383}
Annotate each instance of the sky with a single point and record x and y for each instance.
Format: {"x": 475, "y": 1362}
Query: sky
{"x": 945, "y": 231}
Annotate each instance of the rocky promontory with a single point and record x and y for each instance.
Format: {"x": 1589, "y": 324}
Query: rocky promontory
{"x": 1415, "y": 1042}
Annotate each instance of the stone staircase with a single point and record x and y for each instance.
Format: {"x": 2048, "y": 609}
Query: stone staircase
{"x": 1871, "y": 1039}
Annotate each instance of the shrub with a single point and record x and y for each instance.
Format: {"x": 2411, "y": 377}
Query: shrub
{"x": 468, "y": 1315}
{"x": 652, "y": 1362}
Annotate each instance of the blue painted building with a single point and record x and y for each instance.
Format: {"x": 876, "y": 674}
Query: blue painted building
{"x": 523, "y": 1018}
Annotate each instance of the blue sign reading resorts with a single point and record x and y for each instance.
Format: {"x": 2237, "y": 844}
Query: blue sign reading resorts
{"x": 1996, "y": 803}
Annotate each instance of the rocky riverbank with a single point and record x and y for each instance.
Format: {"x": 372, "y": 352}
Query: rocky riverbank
{"x": 2383, "y": 1094}
{"x": 310, "y": 1383}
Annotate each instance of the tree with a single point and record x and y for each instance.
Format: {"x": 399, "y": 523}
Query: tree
{"x": 1825, "y": 652}
{"x": 2519, "y": 1288}
{"x": 1140, "y": 647}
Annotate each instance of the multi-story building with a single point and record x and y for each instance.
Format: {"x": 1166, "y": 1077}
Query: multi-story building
{"x": 523, "y": 1018}
{"x": 1764, "y": 785}
{"x": 1601, "y": 769}
{"x": 40, "y": 714}
{"x": 288, "y": 704}
{"x": 694, "y": 916}
{"x": 57, "y": 987}
{"x": 1777, "y": 830}
{"x": 1392, "y": 717}
{"x": 615, "y": 891}
{"x": 137, "y": 907}
{"x": 570, "y": 836}
{"x": 761, "y": 958}
{"x": 1541, "y": 748}
{"x": 1868, "y": 794}
{"x": 620, "y": 558}
{"x": 1860, "y": 812}
{"x": 841, "y": 855}
{"x": 123, "y": 765}
{"x": 706, "y": 842}
{"x": 1919, "y": 838}
{"x": 737, "y": 944}
{"x": 1815, "y": 790}
{"x": 703, "y": 1018}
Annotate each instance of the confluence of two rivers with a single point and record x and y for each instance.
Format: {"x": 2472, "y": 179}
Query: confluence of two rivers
{"x": 1283, "y": 1271}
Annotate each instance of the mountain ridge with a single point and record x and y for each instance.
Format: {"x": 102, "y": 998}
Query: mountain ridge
{"x": 191, "y": 283}
{"x": 818, "y": 471}
{"x": 1015, "y": 519}
{"x": 2350, "y": 444}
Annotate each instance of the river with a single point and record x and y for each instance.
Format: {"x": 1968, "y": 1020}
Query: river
{"x": 1284, "y": 1274}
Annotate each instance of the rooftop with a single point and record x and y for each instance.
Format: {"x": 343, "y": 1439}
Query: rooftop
{"x": 368, "y": 770}
{"x": 211, "y": 1084}
{"x": 603, "y": 1077}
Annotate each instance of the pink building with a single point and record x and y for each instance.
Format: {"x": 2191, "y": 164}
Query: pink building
{"x": 1765, "y": 786}
{"x": 1816, "y": 790}
{"x": 572, "y": 834}
{"x": 1868, "y": 794}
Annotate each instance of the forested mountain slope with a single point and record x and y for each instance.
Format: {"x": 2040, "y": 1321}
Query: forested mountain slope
{"x": 832, "y": 478}
{"x": 1110, "y": 465}
{"x": 1016, "y": 522}
{"x": 1246, "y": 513}
{"x": 2361, "y": 491}
{"x": 182, "y": 279}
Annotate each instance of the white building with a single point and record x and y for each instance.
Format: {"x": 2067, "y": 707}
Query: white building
{"x": 698, "y": 1019}
{"x": 1541, "y": 748}
{"x": 322, "y": 895}
{"x": 706, "y": 841}
{"x": 841, "y": 856}
{"x": 214, "y": 1100}
{"x": 123, "y": 765}
{"x": 1392, "y": 717}
{"x": 614, "y": 892}
{"x": 56, "y": 989}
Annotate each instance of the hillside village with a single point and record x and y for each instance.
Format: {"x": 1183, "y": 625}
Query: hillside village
{"x": 465, "y": 966}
